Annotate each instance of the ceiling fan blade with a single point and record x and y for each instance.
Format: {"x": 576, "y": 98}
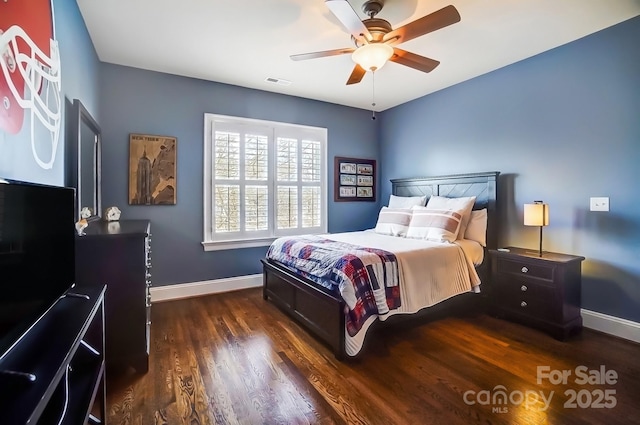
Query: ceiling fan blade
{"x": 305, "y": 56}
{"x": 356, "y": 75}
{"x": 434, "y": 21}
{"x": 414, "y": 61}
{"x": 348, "y": 18}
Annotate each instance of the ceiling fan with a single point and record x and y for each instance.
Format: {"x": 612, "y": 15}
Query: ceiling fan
{"x": 374, "y": 38}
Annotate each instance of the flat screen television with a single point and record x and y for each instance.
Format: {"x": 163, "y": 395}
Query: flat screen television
{"x": 37, "y": 254}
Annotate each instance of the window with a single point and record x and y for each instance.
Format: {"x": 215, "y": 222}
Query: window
{"x": 263, "y": 180}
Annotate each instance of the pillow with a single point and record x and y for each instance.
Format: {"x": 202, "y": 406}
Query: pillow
{"x": 407, "y": 201}
{"x": 477, "y": 227}
{"x": 393, "y": 221}
{"x": 434, "y": 225}
{"x": 463, "y": 205}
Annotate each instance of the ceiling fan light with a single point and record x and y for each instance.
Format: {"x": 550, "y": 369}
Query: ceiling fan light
{"x": 372, "y": 56}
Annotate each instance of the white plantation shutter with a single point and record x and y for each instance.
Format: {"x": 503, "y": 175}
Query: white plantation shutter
{"x": 257, "y": 208}
{"x": 256, "y": 157}
{"x": 311, "y": 179}
{"x": 287, "y": 163}
{"x": 227, "y": 208}
{"x": 227, "y": 155}
{"x": 227, "y": 168}
{"x": 287, "y": 207}
{"x": 262, "y": 180}
{"x": 311, "y": 161}
{"x": 311, "y": 207}
{"x": 286, "y": 173}
{"x": 256, "y": 197}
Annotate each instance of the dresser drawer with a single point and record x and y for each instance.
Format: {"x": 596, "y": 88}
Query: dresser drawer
{"x": 523, "y": 268}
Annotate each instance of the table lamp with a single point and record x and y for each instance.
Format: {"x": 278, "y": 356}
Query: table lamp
{"x": 536, "y": 214}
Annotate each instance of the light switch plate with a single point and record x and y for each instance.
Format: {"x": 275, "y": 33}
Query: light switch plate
{"x": 599, "y": 203}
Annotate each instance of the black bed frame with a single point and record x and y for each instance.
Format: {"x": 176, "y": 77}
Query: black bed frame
{"x": 321, "y": 310}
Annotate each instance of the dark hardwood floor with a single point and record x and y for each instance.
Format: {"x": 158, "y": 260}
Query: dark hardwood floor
{"x": 236, "y": 359}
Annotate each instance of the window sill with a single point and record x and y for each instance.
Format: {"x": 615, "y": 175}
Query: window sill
{"x": 221, "y": 246}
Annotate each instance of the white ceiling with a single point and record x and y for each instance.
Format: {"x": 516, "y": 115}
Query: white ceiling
{"x": 243, "y": 42}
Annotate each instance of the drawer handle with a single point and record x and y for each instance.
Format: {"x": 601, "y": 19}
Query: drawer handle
{"x": 524, "y": 288}
{"x": 523, "y": 304}
{"x": 149, "y": 322}
{"x": 524, "y": 269}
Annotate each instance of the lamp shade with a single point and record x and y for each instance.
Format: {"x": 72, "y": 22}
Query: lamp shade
{"x": 536, "y": 214}
{"x": 372, "y": 56}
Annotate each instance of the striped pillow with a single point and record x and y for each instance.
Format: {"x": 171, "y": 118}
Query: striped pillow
{"x": 464, "y": 205}
{"x": 434, "y": 225}
{"x": 393, "y": 221}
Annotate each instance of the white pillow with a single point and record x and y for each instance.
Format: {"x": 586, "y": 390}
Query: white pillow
{"x": 434, "y": 225}
{"x": 407, "y": 201}
{"x": 477, "y": 227}
{"x": 463, "y": 205}
{"x": 393, "y": 221}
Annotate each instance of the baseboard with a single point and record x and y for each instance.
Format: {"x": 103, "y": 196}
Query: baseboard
{"x": 612, "y": 325}
{"x": 196, "y": 289}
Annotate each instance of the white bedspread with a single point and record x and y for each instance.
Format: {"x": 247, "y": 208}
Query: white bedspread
{"x": 430, "y": 272}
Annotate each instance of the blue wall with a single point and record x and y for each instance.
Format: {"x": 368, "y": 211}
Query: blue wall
{"x": 80, "y": 74}
{"x": 562, "y": 126}
{"x": 137, "y": 101}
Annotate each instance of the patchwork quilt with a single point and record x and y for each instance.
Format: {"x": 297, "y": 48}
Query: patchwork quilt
{"x": 367, "y": 278}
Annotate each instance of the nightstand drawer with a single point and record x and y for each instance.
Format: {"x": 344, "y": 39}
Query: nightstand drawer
{"x": 537, "y": 308}
{"x": 522, "y": 288}
{"x": 523, "y": 268}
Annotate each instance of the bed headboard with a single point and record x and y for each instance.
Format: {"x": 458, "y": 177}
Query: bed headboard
{"x": 481, "y": 185}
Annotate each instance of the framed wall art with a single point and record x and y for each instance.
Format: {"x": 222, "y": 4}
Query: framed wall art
{"x": 152, "y": 170}
{"x": 354, "y": 179}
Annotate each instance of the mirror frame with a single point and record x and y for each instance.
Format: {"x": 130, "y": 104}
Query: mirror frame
{"x": 81, "y": 116}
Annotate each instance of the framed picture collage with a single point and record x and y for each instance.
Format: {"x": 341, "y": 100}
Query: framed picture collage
{"x": 355, "y": 179}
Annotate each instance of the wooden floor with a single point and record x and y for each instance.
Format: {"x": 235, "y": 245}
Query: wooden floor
{"x": 236, "y": 359}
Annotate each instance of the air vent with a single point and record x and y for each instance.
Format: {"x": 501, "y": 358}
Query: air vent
{"x": 279, "y": 81}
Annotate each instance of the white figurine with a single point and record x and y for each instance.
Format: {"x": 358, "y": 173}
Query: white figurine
{"x": 86, "y": 212}
{"x": 112, "y": 214}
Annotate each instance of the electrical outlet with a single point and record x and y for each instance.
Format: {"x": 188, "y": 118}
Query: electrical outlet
{"x": 599, "y": 203}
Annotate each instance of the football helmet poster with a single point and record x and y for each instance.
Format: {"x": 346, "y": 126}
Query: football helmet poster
{"x": 30, "y": 98}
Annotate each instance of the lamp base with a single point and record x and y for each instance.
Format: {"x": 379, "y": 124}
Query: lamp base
{"x": 536, "y": 253}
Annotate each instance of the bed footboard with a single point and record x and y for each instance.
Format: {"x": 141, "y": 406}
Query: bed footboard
{"x": 312, "y": 306}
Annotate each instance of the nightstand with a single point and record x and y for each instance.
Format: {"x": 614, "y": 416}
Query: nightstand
{"x": 541, "y": 292}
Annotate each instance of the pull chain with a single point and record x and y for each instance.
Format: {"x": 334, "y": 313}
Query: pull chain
{"x": 373, "y": 95}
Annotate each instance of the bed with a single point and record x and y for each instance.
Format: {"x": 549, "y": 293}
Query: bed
{"x": 321, "y": 309}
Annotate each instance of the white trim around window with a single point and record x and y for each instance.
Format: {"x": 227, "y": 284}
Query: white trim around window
{"x": 262, "y": 180}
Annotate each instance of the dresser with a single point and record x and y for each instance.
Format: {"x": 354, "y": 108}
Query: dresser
{"x": 118, "y": 254}
{"x": 542, "y": 292}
